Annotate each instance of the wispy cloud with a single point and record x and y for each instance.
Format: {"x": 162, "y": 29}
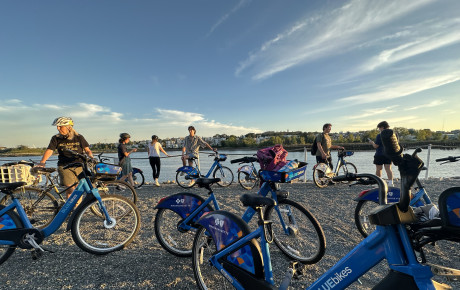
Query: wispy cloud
{"x": 328, "y": 34}
{"x": 371, "y": 112}
{"x": 404, "y": 88}
{"x": 428, "y": 105}
{"x": 224, "y": 18}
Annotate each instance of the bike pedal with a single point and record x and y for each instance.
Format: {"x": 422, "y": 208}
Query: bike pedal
{"x": 36, "y": 254}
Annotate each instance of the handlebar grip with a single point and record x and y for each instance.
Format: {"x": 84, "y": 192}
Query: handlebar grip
{"x": 391, "y": 146}
{"x": 237, "y": 160}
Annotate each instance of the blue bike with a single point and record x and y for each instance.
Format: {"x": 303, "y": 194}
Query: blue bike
{"x": 225, "y": 252}
{"x": 186, "y": 175}
{"x": 295, "y": 230}
{"x": 99, "y": 224}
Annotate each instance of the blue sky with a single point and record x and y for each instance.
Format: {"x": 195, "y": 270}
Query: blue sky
{"x": 233, "y": 67}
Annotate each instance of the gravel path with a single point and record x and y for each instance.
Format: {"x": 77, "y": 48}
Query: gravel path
{"x": 144, "y": 264}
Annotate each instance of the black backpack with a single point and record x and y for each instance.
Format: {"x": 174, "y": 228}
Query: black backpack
{"x": 314, "y": 147}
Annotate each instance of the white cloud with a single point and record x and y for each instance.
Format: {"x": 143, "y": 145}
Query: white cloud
{"x": 331, "y": 33}
{"x": 224, "y": 18}
{"x": 432, "y": 104}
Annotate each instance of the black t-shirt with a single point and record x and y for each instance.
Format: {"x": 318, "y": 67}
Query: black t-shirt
{"x": 121, "y": 152}
{"x": 60, "y": 143}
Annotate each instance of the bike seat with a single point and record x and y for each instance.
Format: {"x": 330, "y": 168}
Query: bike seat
{"x": 8, "y": 188}
{"x": 255, "y": 200}
{"x": 203, "y": 181}
{"x": 41, "y": 170}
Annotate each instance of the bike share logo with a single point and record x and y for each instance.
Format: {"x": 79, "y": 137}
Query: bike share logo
{"x": 180, "y": 202}
{"x": 219, "y": 222}
{"x": 336, "y": 279}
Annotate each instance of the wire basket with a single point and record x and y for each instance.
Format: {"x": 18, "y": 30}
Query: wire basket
{"x": 16, "y": 173}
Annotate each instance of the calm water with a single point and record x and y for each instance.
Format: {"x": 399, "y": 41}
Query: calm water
{"x": 362, "y": 160}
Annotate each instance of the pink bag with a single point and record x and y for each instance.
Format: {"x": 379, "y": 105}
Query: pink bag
{"x": 272, "y": 158}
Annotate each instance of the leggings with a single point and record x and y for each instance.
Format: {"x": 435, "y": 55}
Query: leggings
{"x": 156, "y": 164}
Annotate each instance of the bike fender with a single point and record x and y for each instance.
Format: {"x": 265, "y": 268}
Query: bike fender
{"x": 186, "y": 169}
{"x": 246, "y": 169}
{"x": 88, "y": 198}
{"x": 373, "y": 195}
{"x": 225, "y": 228}
{"x": 136, "y": 170}
{"x": 183, "y": 203}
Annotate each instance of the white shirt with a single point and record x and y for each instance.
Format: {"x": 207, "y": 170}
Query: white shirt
{"x": 154, "y": 150}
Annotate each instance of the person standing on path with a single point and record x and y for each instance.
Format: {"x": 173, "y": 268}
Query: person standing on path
{"x": 192, "y": 144}
{"x": 123, "y": 158}
{"x": 154, "y": 157}
{"x": 66, "y": 139}
{"x": 324, "y": 143}
{"x": 380, "y": 159}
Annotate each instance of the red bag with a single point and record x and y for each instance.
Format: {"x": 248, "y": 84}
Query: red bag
{"x": 272, "y": 158}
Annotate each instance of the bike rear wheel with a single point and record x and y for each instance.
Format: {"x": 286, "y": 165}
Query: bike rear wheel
{"x": 138, "y": 178}
{"x": 305, "y": 240}
{"x": 362, "y": 210}
{"x": 93, "y": 234}
{"x": 225, "y": 175}
{"x": 247, "y": 181}
{"x": 184, "y": 179}
{"x": 320, "y": 178}
{"x": 10, "y": 220}
{"x": 118, "y": 187}
{"x": 40, "y": 206}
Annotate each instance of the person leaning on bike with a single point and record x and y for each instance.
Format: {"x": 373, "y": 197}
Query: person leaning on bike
{"x": 323, "y": 154}
{"x": 192, "y": 144}
{"x": 67, "y": 139}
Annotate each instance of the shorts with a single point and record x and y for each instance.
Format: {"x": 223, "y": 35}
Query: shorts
{"x": 381, "y": 159}
{"x": 68, "y": 176}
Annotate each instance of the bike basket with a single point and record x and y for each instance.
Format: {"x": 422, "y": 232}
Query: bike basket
{"x": 16, "y": 173}
{"x": 276, "y": 176}
{"x": 107, "y": 170}
{"x": 222, "y": 157}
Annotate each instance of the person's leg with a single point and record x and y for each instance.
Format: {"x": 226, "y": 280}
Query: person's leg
{"x": 152, "y": 165}
{"x": 389, "y": 174}
{"x": 157, "y": 166}
{"x": 183, "y": 160}
{"x": 378, "y": 170}
{"x": 329, "y": 162}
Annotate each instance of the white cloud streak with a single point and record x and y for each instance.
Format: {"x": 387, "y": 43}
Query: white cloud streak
{"x": 224, "y": 18}
{"x": 323, "y": 35}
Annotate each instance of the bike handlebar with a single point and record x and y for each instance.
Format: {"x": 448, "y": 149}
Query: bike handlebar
{"x": 449, "y": 159}
{"x": 244, "y": 160}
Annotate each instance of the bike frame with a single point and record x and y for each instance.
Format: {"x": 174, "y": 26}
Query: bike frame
{"x": 84, "y": 186}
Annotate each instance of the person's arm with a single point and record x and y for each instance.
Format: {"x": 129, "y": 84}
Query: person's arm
{"x": 88, "y": 152}
{"x": 45, "y": 157}
{"x": 337, "y": 147}
{"x": 373, "y": 144}
{"x": 320, "y": 148}
{"x": 162, "y": 150}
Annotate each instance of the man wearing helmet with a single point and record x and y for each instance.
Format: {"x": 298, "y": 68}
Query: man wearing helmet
{"x": 66, "y": 139}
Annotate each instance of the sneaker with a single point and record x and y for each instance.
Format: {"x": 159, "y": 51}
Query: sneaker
{"x": 390, "y": 182}
{"x": 156, "y": 182}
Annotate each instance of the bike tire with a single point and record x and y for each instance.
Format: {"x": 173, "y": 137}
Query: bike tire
{"x": 247, "y": 181}
{"x": 206, "y": 275}
{"x": 182, "y": 181}
{"x": 90, "y": 232}
{"x": 225, "y": 174}
{"x": 40, "y": 206}
{"x": 117, "y": 187}
{"x": 306, "y": 243}
{"x": 319, "y": 178}
{"x": 362, "y": 222}
{"x": 173, "y": 240}
{"x": 346, "y": 168}
{"x": 139, "y": 179}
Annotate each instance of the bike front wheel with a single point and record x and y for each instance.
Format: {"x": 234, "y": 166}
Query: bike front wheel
{"x": 184, "y": 179}
{"x": 303, "y": 239}
{"x": 10, "y": 220}
{"x": 246, "y": 180}
{"x": 40, "y": 206}
{"x": 138, "y": 178}
{"x": 92, "y": 232}
{"x": 225, "y": 175}
{"x": 362, "y": 210}
{"x": 347, "y": 168}
{"x": 319, "y": 177}
{"x": 117, "y": 187}
{"x": 206, "y": 275}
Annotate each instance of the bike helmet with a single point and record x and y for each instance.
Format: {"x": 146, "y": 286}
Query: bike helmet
{"x": 124, "y": 136}
{"x": 62, "y": 121}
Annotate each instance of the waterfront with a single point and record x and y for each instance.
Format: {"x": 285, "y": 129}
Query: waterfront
{"x": 362, "y": 160}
